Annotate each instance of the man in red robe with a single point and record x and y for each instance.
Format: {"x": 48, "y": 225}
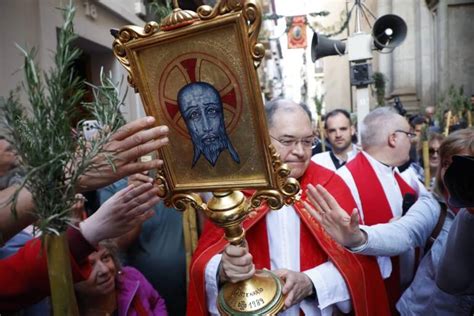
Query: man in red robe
{"x": 379, "y": 190}
{"x": 319, "y": 276}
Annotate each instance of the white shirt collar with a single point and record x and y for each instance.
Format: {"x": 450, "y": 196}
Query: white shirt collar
{"x": 381, "y": 167}
{"x": 350, "y": 154}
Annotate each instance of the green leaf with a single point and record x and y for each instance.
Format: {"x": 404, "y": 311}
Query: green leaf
{"x": 52, "y": 156}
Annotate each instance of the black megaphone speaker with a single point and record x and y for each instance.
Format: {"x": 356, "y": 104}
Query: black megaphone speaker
{"x": 389, "y": 31}
{"x": 321, "y": 46}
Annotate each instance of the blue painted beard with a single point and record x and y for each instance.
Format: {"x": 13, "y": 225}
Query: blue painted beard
{"x": 211, "y": 145}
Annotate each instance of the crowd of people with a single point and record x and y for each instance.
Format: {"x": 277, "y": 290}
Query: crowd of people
{"x": 407, "y": 249}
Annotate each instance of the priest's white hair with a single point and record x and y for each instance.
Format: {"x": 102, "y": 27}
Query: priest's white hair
{"x": 378, "y": 125}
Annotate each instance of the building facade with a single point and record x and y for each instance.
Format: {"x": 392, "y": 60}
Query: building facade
{"x": 35, "y": 23}
{"x": 436, "y": 53}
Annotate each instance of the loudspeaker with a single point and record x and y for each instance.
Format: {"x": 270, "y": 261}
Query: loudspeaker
{"x": 389, "y": 31}
{"x": 321, "y": 46}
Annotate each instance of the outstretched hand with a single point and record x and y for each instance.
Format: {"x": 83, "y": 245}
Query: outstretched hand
{"x": 125, "y": 210}
{"x": 342, "y": 227}
{"x": 137, "y": 179}
{"x": 130, "y": 142}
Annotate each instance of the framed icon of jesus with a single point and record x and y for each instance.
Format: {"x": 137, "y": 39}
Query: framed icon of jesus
{"x": 198, "y": 77}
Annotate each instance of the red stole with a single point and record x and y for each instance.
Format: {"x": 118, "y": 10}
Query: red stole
{"x": 374, "y": 203}
{"x": 361, "y": 273}
{"x": 377, "y": 210}
{"x": 375, "y": 206}
{"x": 311, "y": 254}
{"x": 405, "y": 188}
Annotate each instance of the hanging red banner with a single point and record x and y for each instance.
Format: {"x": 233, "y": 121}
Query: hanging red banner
{"x": 297, "y": 32}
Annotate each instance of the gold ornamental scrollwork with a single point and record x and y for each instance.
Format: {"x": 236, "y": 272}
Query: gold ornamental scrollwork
{"x": 275, "y": 157}
{"x": 126, "y": 34}
{"x": 164, "y": 190}
{"x": 206, "y": 12}
{"x": 253, "y": 14}
{"x": 287, "y": 191}
{"x": 291, "y": 190}
{"x": 273, "y": 198}
{"x": 178, "y": 18}
{"x": 185, "y": 201}
{"x": 288, "y": 186}
{"x": 130, "y": 32}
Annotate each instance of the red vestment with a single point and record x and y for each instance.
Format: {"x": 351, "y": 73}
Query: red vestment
{"x": 375, "y": 208}
{"x": 361, "y": 273}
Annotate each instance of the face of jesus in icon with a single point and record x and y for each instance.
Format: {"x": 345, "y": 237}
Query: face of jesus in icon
{"x": 201, "y": 107}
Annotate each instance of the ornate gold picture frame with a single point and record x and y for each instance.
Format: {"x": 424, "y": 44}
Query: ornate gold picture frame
{"x": 196, "y": 73}
{"x": 211, "y": 54}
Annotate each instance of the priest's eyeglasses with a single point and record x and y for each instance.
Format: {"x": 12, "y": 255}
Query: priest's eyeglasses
{"x": 410, "y": 135}
{"x": 306, "y": 142}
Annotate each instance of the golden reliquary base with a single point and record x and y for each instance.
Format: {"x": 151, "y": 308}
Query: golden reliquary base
{"x": 260, "y": 295}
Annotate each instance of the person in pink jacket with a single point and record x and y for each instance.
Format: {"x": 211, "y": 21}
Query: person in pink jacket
{"x": 24, "y": 275}
{"x": 115, "y": 290}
